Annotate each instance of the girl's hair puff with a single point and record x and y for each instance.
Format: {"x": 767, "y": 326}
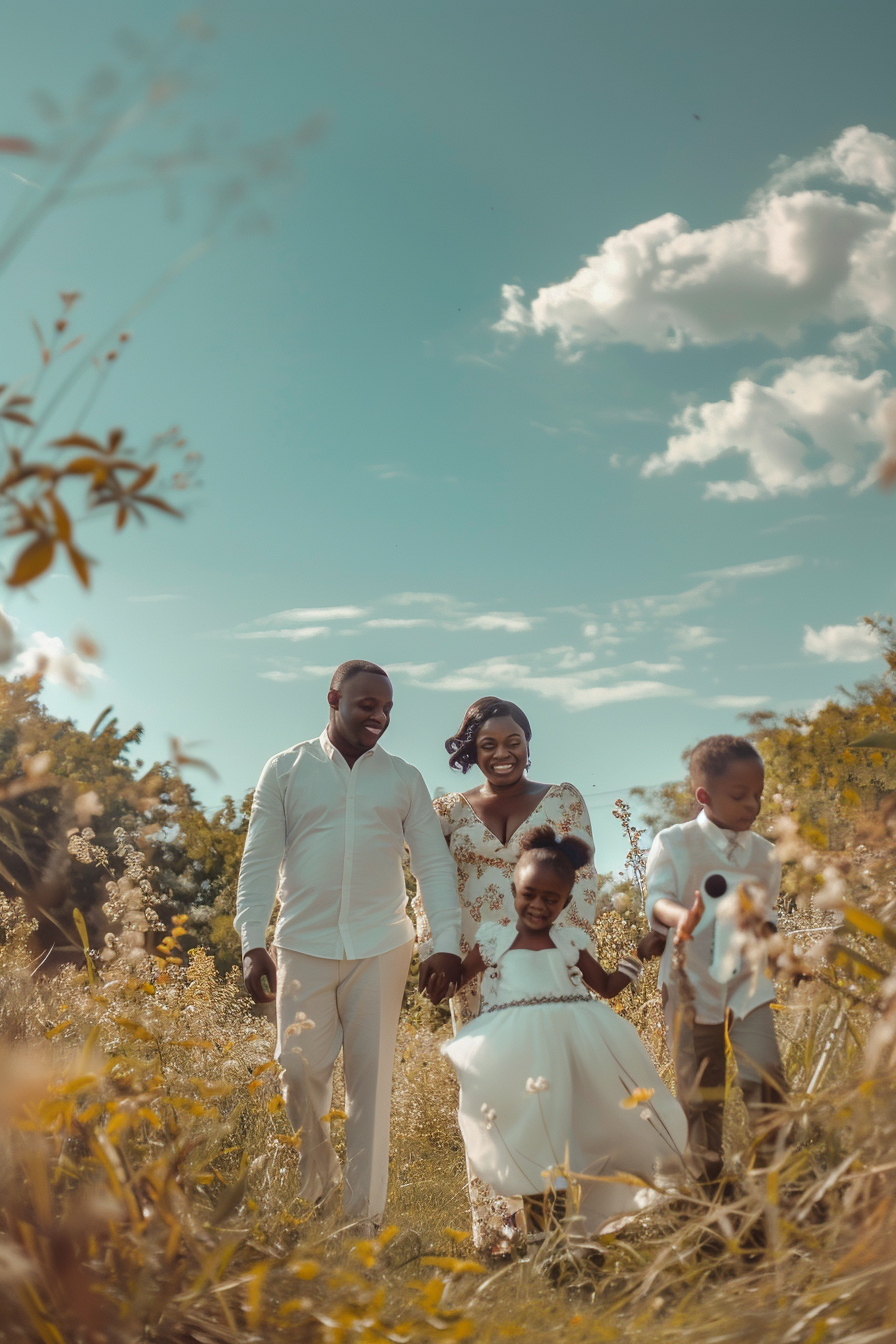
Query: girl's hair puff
{"x": 567, "y": 854}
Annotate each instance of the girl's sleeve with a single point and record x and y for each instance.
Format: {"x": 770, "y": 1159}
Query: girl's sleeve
{"x": 487, "y": 942}
{"x": 579, "y": 942}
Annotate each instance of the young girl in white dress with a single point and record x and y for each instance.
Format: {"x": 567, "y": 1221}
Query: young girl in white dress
{"x": 551, "y": 1080}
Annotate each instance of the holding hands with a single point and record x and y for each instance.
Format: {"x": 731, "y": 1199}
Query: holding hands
{"x": 439, "y": 976}
{"x": 683, "y": 920}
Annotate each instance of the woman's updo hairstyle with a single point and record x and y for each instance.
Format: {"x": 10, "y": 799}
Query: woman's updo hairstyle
{"x": 566, "y": 855}
{"x": 462, "y": 747}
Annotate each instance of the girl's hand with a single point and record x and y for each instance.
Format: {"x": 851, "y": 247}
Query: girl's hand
{"x": 652, "y": 945}
{"x": 686, "y": 927}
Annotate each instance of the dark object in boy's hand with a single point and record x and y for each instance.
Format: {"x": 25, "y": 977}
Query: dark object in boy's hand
{"x": 652, "y": 945}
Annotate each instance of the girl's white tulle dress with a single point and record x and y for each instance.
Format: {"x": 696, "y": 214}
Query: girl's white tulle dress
{"x": 543, "y": 1071}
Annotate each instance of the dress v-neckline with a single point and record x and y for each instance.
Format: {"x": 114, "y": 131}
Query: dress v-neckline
{"x": 505, "y": 843}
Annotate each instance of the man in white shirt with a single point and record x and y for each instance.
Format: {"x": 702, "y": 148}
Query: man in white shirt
{"x": 708, "y": 859}
{"x": 327, "y": 832}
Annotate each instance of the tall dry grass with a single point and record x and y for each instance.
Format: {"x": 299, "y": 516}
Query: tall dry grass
{"x": 148, "y": 1176}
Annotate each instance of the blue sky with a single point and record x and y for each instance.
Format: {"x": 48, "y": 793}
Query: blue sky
{"x": 630, "y": 493}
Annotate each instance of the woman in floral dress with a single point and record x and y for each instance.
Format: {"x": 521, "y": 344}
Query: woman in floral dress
{"x": 482, "y": 827}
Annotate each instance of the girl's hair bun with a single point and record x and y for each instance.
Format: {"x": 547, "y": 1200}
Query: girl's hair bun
{"x": 568, "y": 850}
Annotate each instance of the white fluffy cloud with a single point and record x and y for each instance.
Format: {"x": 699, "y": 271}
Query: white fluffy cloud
{"x": 858, "y": 156}
{"x": 48, "y": 656}
{"x": 808, "y": 428}
{"x": 797, "y": 255}
{"x": 843, "y": 643}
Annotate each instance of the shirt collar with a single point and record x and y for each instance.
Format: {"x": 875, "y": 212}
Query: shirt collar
{"x": 729, "y": 843}
{"x": 331, "y": 751}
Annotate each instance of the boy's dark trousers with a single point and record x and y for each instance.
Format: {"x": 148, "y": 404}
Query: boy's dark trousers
{"x": 698, "y": 1052}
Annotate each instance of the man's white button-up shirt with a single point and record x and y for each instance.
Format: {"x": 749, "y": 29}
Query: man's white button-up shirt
{"x": 329, "y": 841}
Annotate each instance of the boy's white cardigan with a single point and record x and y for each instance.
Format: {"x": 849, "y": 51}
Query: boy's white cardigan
{"x": 699, "y": 856}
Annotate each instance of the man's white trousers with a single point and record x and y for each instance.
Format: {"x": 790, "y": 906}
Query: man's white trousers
{"x": 354, "y": 1006}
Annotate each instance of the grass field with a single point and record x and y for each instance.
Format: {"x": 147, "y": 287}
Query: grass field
{"x": 149, "y": 1188}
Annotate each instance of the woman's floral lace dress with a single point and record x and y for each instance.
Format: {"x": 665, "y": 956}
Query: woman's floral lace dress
{"x": 484, "y": 872}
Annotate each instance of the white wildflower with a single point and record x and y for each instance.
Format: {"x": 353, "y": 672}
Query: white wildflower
{"x": 538, "y": 1084}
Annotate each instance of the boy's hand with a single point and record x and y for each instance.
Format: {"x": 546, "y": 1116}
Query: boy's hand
{"x": 652, "y": 945}
{"x": 686, "y": 928}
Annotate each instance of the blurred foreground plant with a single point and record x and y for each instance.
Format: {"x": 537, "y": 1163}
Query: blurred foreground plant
{"x": 117, "y": 136}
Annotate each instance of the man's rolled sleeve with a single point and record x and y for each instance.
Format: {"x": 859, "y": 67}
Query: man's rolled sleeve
{"x": 662, "y": 881}
{"x": 262, "y": 857}
{"x": 434, "y": 869}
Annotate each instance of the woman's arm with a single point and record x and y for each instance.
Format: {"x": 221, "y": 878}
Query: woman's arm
{"x": 607, "y": 983}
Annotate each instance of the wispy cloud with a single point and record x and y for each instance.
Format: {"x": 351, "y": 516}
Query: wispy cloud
{"x": 413, "y": 599}
{"x": 466, "y": 358}
{"x": 454, "y": 614}
{"x": 294, "y": 633}
{"x": 574, "y": 690}
{"x": 388, "y": 471}
{"x": 396, "y": 622}
{"x": 513, "y": 621}
{"x": 601, "y": 634}
{"x": 734, "y": 701}
{"x": 754, "y": 569}
{"x": 667, "y": 606}
{"x": 636, "y": 415}
{"x": 787, "y": 523}
{"x": 280, "y": 676}
{"x": 569, "y": 658}
{"x": 687, "y": 637}
{"x": 314, "y": 614}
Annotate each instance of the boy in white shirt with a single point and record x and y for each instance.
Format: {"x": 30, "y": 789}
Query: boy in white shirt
{"x": 709, "y": 858}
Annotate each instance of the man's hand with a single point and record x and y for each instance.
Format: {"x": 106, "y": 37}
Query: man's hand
{"x": 257, "y": 963}
{"x": 439, "y": 976}
{"x": 691, "y": 919}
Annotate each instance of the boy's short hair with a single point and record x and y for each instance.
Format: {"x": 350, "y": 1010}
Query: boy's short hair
{"x": 711, "y": 758}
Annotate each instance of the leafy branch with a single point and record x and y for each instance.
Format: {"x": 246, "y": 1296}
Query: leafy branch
{"x": 36, "y": 487}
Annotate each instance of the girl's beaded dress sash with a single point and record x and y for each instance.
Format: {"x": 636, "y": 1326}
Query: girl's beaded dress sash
{"x": 538, "y": 998}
